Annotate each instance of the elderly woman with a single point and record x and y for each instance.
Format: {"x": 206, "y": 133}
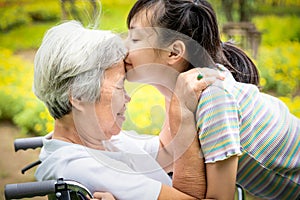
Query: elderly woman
{"x": 79, "y": 75}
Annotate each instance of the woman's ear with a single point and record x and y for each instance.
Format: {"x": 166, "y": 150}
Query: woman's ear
{"x": 77, "y": 104}
{"x": 177, "y": 51}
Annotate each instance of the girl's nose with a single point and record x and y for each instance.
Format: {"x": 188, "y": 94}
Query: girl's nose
{"x": 126, "y": 42}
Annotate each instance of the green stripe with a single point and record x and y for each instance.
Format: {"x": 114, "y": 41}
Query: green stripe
{"x": 207, "y": 117}
{"x": 208, "y": 97}
{"x": 258, "y": 132}
{"x": 217, "y": 147}
{"x": 261, "y": 181}
{"x": 251, "y": 167}
{"x": 255, "y": 113}
{"x": 291, "y": 193}
{"x": 218, "y": 129}
{"x": 276, "y": 185}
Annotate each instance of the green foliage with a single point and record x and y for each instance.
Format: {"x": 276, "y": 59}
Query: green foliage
{"x": 277, "y": 30}
{"x": 278, "y": 59}
{"x": 43, "y": 11}
{"x": 25, "y": 25}
{"x": 277, "y": 10}
{"x": 10, "y": 105}
{"x": 12, "y": 17}
{"x": 17, "y": 102}
{"x": 25, "y": 37}
{"x": 280, "y": 68}
{"x": 34, "y": 118}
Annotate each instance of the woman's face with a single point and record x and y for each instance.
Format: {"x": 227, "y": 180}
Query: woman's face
{"x": 101, "y": 120}
{"x": 144, "y": 54}
{"x": 110, "y": 110}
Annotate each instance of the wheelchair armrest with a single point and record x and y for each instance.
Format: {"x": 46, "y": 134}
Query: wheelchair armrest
{"x": 29, "y": 189}
{"x": 59, "y": 189}
{"x": 28, "y": 143}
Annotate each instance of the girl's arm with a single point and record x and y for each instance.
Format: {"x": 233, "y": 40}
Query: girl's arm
{"x": 218, "y": 119}
{"x": 221, "y": 178}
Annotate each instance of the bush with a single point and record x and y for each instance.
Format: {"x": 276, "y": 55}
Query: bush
{"x": 34, "y": 118}
{"x": 13, "y": 17}
{"x": 43, "y": 11}
{"x": 280, "y": 68}
{"x": 25, "y": 37}
{"x": 17, "y": 102}
{"x": 10, "y": 105}
{"x": 287, "y": 29}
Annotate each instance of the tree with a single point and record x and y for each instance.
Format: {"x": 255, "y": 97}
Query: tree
{"x": 244, "y": 9}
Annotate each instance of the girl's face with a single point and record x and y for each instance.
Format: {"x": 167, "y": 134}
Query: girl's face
{"x": 145, "y": 59}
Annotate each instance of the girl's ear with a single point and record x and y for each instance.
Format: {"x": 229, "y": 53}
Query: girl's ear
{"x": 177, "y": 52}
{"x": 77, "y": 104}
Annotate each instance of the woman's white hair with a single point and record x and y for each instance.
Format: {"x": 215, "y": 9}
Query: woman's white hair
{"x": 71, "y": 62}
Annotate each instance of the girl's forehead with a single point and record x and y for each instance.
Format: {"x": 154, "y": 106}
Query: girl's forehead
{"x": 141, "y": 19}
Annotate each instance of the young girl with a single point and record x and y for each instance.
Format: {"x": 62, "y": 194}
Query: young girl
{"x": 246, "y": 136}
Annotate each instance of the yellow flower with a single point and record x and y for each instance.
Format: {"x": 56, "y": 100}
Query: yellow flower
{"x": 37, "y": 128}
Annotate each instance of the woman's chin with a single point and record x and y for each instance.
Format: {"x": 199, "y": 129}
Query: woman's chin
{"x": 116, "y": 130}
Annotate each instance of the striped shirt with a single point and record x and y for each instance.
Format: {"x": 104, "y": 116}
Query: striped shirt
{"x": 236, "y": 119}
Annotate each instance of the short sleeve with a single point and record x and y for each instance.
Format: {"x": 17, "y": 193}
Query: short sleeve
{"x": 218, "y": 124}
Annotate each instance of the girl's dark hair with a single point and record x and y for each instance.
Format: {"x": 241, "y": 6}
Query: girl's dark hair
{"x": 244, "y": 69}
{"x": 197, "y": 20}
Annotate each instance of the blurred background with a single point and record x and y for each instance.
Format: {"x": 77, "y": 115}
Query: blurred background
{"x": 268, "y": 30}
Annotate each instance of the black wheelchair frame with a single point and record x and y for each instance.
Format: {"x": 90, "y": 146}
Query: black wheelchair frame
{"x": 55, "y": 189}
{"x": 60, "y": 189}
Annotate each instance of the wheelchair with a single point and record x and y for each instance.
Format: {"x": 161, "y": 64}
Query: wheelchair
{"x": 55, "y": 189}
{"x": 59, "y": 189}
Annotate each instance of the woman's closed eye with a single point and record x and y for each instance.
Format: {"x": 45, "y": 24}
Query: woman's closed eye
{"x": 135, "y": 40}
{"x": 120, "y": 88}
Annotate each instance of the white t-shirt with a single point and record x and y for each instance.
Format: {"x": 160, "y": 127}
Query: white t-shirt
{"x": 128, "y": 171}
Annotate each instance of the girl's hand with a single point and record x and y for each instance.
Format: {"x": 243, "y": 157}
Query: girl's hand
{"x": 190, "y": 85}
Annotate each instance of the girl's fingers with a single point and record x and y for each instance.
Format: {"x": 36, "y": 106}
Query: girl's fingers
{"x": 207, "y": 72}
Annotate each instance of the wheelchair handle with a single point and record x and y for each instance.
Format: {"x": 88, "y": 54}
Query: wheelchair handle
{"x": 29, "y": 189}
{"x": 28, "y": 143}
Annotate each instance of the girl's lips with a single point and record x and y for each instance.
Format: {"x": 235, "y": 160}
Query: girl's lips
{"x": 128, "y": 67}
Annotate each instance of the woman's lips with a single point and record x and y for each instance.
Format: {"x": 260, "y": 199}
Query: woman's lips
{"x": 121, "y": 116}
